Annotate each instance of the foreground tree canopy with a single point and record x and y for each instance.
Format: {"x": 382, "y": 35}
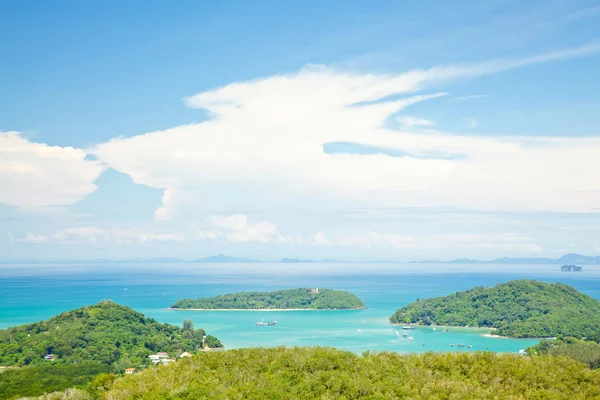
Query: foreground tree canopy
{"x": 521, "y": 309}
{"x": 585, "y": 351}
{"x": 321, "y": 299}
{"x": 322, "y": 373}
{"x": 106, "y": 333}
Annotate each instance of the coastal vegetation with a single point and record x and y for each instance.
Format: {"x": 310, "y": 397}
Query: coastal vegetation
{"x": 585, "y": 351}
{"x": 318, "y": 299}
{"x": 324, "y": 373}
{"x": 520, "y": 309}
{"x": 72, "y": 348}
{"x": 38, "y": 379}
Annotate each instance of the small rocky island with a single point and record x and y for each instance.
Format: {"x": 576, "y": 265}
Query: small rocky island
{"x": 519, "y": 309}
{"x": 290, "y": 299}
{"x": 569, "y": 267}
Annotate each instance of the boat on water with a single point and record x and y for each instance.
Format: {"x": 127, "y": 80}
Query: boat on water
{"x": 408, "y": 327}
{"x": 404, "y": 334}
{"x": 411, "y": 338}
{"x": 266, "y": 323}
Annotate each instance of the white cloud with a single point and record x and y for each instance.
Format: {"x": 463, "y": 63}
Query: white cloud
{"x": 36, "y": 175}
{"x": 409, "y": 122}
{"x": 235, "y": 228}
{"x": 471, "y": 97}
{"x": 32, "y": 238}
{"x": 268, "y": 133}
{"x": 232, "y": 229}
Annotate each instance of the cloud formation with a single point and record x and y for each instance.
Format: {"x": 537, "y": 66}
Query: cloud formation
{"x": 222, "y": 229}
{"x": 36, "y": 175}
{"x": 269, "y": 133}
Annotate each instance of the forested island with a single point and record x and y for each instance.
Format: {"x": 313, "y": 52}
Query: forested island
{"x": 324, "y": 373}
{"x": 290, "y": 299}
{"x": 518, "y": 309}
{"x": 75, "y": 346}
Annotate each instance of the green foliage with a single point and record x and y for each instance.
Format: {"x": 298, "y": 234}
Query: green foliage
{"x": 585, "y": 351}
{"x": 69, "y": 394}
{"x": 322, "y": 373}
{"x": 106, "y": 332}
{"x": 40, "y": 379}
{"x": 522, "y": 309}
{"x": 212, "y": 342}
{"x": 325, "y": 299}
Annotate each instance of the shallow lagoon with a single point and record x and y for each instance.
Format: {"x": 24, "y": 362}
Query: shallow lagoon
{"x": 32, "y": 293}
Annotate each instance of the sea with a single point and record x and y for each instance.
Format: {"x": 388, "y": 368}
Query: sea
{"x": 30, "y": 293}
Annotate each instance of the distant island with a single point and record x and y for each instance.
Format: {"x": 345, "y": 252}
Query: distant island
{"x": 571, "y": 268}
{"x": 518, "y": 309}
{"x": 571, "y": 258}
{"x": 290, "y": 299}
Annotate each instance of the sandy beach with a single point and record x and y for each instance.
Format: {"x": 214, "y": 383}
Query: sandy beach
{"x": 264, "y": 309}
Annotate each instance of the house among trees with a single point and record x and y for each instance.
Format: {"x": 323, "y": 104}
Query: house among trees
{"x": 158, "y": 357}
{"x": 314, "y": 291}
{"x": 49, "y": 357}
{"x": 129, "y": 371}
{"x": 185, "y": 354}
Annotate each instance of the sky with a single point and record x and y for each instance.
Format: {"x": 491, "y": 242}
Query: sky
{"x": 394, "y": 130}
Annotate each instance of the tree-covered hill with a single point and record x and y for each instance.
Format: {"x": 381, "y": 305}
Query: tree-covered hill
{"x": 107, "y": 333}
{"x": 321, "y": 373}
{"x": 321, "y": 299}
{"x": 522, "y": 309}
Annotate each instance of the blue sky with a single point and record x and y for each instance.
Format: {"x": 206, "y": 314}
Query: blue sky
{"x": 400, "y": 130}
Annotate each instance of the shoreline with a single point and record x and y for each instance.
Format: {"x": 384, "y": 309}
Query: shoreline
{"x": 266, "y": 309}
{"x": 489, "y": 334}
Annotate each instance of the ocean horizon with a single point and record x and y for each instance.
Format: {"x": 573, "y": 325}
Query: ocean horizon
{"x": 30, "y": 293}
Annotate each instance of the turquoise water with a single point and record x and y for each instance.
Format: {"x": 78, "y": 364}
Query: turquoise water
{"x": 33, "y": 293}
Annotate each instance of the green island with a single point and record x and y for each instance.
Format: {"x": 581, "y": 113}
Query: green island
{"x": 325, "y": 373}
{"x": 74, "y": 347}
{"x": 290, "y": 299}
{"x": 518, "y": 309}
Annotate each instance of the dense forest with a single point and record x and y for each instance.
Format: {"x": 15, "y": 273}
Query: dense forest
{"x": 321, "y": 299}
{"x": 105, "y": 337}
{"x": 585, "y": 351}
{"x": 521, "y": 309}
{"x": 38, "y": 379}
{"x": 106, "y": 332}
{"x": 323, "y": 373}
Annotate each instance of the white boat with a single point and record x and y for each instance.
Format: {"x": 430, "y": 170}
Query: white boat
{"x": 410, "y": 338}
{"x": 268, "y": 323}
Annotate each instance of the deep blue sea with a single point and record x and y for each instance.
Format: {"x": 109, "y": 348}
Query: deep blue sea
{"x": 31, "y": 293}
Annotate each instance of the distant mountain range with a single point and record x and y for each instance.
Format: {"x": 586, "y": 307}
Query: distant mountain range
{"x": 572, "y": 258}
